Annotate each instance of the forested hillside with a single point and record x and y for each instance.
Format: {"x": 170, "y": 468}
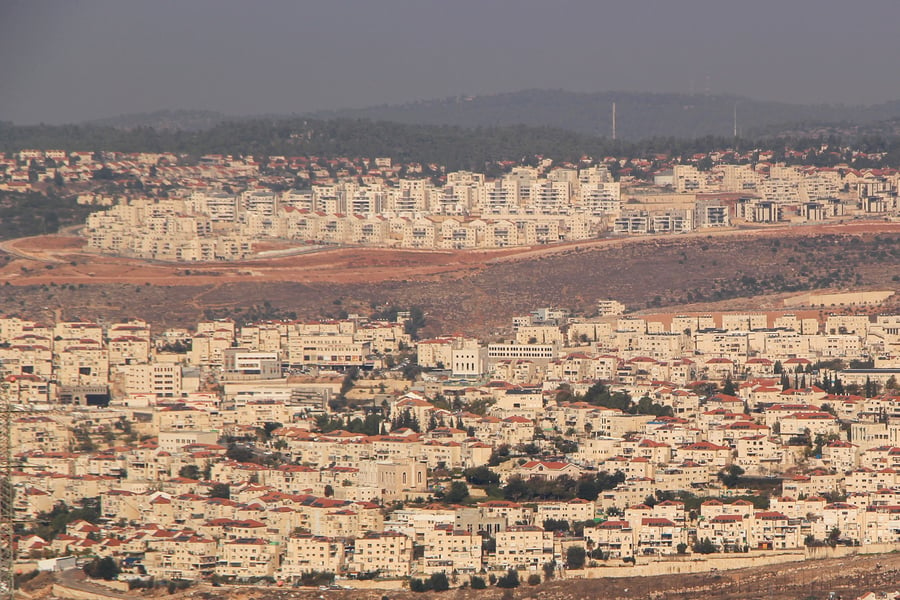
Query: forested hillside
{"x": 454, "y": 147}
{"x": 450, "y": 146}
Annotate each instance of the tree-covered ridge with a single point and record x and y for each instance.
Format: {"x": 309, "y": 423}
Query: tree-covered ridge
{"x": 453, "y": 147}
{"x": 449, "y": 146}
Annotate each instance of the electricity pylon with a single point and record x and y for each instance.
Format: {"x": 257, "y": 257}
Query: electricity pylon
{"x": 7, "y": 512}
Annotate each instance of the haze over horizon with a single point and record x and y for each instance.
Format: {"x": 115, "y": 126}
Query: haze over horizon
{"x": 73, "y": 61}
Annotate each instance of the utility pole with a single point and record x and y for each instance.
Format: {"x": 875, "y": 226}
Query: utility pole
{"x": 7, "y": 513}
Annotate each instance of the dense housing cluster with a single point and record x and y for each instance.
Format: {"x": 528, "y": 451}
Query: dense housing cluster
{"x": 286, "y": 449}
{"x": 221, "y": 207}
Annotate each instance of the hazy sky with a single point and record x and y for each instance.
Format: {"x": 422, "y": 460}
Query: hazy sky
{"x": 71, "y": 60}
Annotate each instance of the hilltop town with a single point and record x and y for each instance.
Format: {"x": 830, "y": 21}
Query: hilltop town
{"x": 309, "y": 452}
{"x": 170, "y": 207}
{"x": 454, "y": 300}
{"x": 379, "y": 450}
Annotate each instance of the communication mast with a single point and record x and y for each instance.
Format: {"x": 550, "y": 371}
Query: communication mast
{"x": 7, "y": 512}
{"x": 614, "y": 121}
{"x": 735, "y": 120}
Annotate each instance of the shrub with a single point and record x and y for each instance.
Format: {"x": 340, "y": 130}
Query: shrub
{"x": 705, "y": 546}
{"x": 508, "y": 581}
{"x": 102, "y": 568}
{"x": 575, "y": 557}
{"x": 417, "y": 585}
{"x": 438, "y": 582}
{"x": 549, "y": 570}
{"x": 478, "y": 583}
{"x": 316, "y": 578}
{"x": 534, "y": 579}
{"x": 481, "y": 476}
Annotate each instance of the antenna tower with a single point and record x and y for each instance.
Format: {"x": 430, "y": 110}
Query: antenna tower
{"x": 7, "y": 512}
{"x": 614, "y": 121}
{"x": 735, "y": 120}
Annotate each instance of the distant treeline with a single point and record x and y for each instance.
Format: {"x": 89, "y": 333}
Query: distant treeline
{"x": 450, "y": 146}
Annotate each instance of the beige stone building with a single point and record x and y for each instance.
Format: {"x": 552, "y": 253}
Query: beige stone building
{"x": 244, "y": 558}
{"x": 304, "y": 553}
{"x": 523, "y": 546}
{"x": 182, "y": 556}
{"x": 450, "y": 550}
{"x": 388, "y": 554}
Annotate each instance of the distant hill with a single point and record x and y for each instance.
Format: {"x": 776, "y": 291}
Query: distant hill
{"x": 165, "y": 120}
{"x": 638, "y": 115}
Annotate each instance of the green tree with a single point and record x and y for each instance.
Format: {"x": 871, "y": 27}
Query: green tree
{"x": 458, "y": 493}
{"x": 555, "y": 525}
{"x": 509, "y": 581}
{"x": 730, "y": 476}
{"x": 240, "y": 453}
{"x": 103, "y": 173}
{"x": 549, "y": 569}
{"x": 415, "y": 322}
{"x": 316, "y": 578}
{"x": 481, "y": 475}
{"x": 729, "y": 388}
{"x": 405, "y": 420}
{"x": 575, "y": 557}
{"x": 189, "y": 472}
{"x": 220, "y": 490}
{"x": 439, "y": 582}
{"x": 54, "y": 522}
{"x": 499, "y": 454}
{"x": 705, "y": 546}
{"x": 102, "y": 568}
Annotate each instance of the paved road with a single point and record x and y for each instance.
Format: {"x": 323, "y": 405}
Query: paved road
{"x": 75, "y": 579}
